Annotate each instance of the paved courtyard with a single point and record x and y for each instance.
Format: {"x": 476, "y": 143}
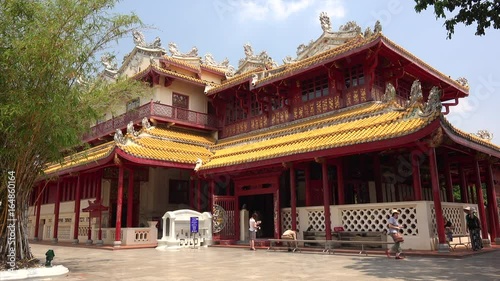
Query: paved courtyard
{"x": 242, "y": 264}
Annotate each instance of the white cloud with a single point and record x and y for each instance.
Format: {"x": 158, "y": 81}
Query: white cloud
{"x": 278, "y": 10}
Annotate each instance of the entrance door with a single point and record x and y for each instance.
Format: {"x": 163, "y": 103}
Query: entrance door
{"x": 261, "y": 204}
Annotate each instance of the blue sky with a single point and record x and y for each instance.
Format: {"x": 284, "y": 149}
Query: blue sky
{"x": 222, "y": 27}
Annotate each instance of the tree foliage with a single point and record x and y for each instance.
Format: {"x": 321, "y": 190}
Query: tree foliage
{"x": 46, "y": 48}
{"x": 483, "y": 13}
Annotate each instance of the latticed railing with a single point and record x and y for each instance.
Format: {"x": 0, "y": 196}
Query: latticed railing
{"x": 155, "y": 110}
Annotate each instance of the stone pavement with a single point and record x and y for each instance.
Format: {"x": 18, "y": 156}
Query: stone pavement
{"x": 242, "y": 264}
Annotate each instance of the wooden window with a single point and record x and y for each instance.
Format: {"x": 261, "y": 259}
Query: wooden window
{"x": 314, "y": 88}
{"x": 178, "y": 192}
{"x": 234, "y": 112}
{"x": 255, "y": 108}
{"x": 133, "y": 104}
{"x": 354, "y": 76}
{"x": 181, "y": 101}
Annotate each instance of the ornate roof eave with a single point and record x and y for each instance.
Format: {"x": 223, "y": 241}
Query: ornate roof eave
{"x": 169, "y": 73}
{"x": 167, "y": 60}
{"x": 347, "y": 35}
{"x": 423, "y": 65}
{"x": 214, "y": 70}
{"x": 234, "y": 81}
{"x": 126, "y": 61}
{"x": 335, "y": 151}
{"x": 152, "y": 162}
{"x": 469, "y": 140}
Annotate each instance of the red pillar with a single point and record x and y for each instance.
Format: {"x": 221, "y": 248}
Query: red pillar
{"x": 293, "y": 198}
{"x": 119, "y": 202}
{"x": 340, "y": 182}
{"x": 38, "y": 207}
{"x": 56, "y": 210}
{"x": 492, "y": 198}
{"x": 130, "y": 198}
{"x": 211, "y": 195}
{"x": 326, "y": 200}
{"x": 77, "y": 209}
{"x": 417, "y": 184}
{"x": 198, "y": 195}
{"x": 277, "y": 212}
{"x": 378, "y": 177}
{"x": 191, "y": 193}
{"x": 448, "y": 179}
{"x": 464, "y": 195}
{"x": 437, "y": 200}
{"x": 480, "y": 200}
{"x": 308, "y": 184}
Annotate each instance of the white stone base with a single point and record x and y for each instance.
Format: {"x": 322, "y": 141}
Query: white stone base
{"x": 443, "y": 248}
{"x": 99, "y": 242}
{"x": 486, "y": 243}
{"x": 54, "y": 240}
{"x": 33, "y": 272}
{"x": 76, "y": 241}
{"x": 117, "y": 243}
{"x": 89, "y": 242}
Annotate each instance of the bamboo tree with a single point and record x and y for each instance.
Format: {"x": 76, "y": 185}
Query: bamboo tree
{"x": 46, "y": 47}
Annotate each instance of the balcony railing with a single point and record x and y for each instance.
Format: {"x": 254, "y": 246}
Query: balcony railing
{"x": 152, "y": 110}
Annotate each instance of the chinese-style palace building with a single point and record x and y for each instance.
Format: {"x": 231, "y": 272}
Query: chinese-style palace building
{"x": 350, "y": 128}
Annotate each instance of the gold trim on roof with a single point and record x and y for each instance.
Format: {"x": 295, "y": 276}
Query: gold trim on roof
{"x": 325, "y": 133}
{"x": 181, "y": 135}
{"x": 81, "y": 158}
{"x": 180, "y": 62}
{"x": 233, "y": 81}
{"x": 173, "y": 74}
{"x": 469, "y": 136}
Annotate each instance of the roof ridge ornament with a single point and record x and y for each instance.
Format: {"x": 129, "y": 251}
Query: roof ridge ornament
{"x": 416, "y": 95}
{"x": 174, "y": 50}
{"x": 350, "y": 26}
{"x": 324, "y": 19}
{"x": 433, "y": 104}
{"x": 484, "y": 134}
{"x": 199, "y": 162}
{"x": 390, "y": 93}
{"x": 140, "y": 41}
{"x": 119, "y": 138}
{"x": 109, "y": 62}
{"x": 463, "y": 82}
{"x": 145, "y": 123}
{"x": 131, "y": 130}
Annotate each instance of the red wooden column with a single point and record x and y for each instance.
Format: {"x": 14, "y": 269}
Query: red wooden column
{"x": 38, "y": 207}
{"x": 464, "y": 195}
{"x": 198, "y": 195}
{"x": 340, "y": 182}
{"x": 308, "y": 184}
{"x": 443, "y": 246}
{"x": 56, "y": 210}
{"x": 119, "y": 202}
{"x": 326, "y": 199}
{"x": 490, "y": 187}
{"x": 277, "y": 212}
{"x": 480, "y": 200}
{"x": 77, "y": 209}
{"x": 448, "y": 179}
{"x": 130, "y": 197}
{"x": 378, "y": 177}
{"x": 417, "y": 183}
{"x": 293, "y": 197}
{"x": 211, "y": 195}
{"x": 191, "y": 193}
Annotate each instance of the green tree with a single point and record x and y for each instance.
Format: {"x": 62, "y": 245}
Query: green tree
{"x": 46, "y": 48}
{"x": 483, "y": 13}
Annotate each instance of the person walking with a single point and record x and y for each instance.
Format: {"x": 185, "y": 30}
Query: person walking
{"x": 393, "y": 231}
{"x": 474, "y": 227}
{"x": 253, "y": 227}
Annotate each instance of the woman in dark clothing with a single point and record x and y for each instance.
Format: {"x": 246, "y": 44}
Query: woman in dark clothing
{"x": 474, "y": 227}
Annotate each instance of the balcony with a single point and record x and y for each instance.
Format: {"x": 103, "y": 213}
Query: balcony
{"x": 157, "y": 111}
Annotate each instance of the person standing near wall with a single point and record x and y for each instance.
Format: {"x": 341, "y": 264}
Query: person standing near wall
{"x": 474, "y": 227}
{"x": 253, "y": 227}
{"x": 393, "y": 231}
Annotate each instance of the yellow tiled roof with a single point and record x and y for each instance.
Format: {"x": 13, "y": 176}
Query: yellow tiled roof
{"x": 220, "y": 70}
{"x": 195, "y": 68}
{"x": 81, "y": 158}
{"x": 352, "y": 127}
{"x": 233, "y": 81}
{"x": 173, "y": 74}
{"x": 169, "y": 145}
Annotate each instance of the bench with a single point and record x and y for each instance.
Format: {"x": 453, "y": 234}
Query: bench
{"x": 329, "y": 245}
{"x": 350, "y": 236}
{"x": 273, "y": 243}
{"x": 463, "y": 240}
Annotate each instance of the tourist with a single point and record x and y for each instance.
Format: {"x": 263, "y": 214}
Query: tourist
{"x": 393, "y": 231}
{"x": 448, "y": 229}
{"x": 474, "y": 227}
{"x": 254, "y": 226}
{"x": 290, "y": 235}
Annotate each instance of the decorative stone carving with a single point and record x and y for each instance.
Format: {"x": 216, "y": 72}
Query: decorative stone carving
{"x": 248, "y": 50}
{"x": 378, "y": 27}
{"x": 145, "y": 123}
{"x": 130, "y": 129}
{"x": 463, "y": 82}
{"x": 199, "y": 162}
{"x": 324, "y": 19}
{"x": 109, "y": 62}
{"x": 390, "y": 93}
{"x": 230, "y": 71}
{"x": 368, "y": 32}
{"x": 288, "y": 59}
{"x": 301, "y": 48}
{"x": 416, "y": 95}
{"x": 485, "y": 135}
{"x": 208, "y": 59}
{"x": 350, "y": 26}
{"x": 140, "y": 41}
{"x": 255, "y": 78}
{"x": 433, "y": 103}
{"x": 119, "y": 138}
{"x": 172, "y": 47}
